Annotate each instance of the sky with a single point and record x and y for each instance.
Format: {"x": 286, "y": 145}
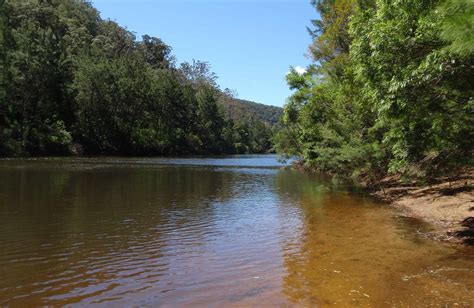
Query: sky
{"x": 250, "y": 44}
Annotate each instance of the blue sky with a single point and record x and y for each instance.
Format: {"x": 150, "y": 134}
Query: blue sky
{"x": 250, "y": 44}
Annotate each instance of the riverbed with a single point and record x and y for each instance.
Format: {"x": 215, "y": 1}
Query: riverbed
{"x": 220, "y": 231}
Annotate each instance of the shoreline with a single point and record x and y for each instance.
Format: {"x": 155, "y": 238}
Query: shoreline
{"x": 447, "y": 205}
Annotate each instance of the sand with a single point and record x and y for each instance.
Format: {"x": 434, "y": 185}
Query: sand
{"x": 448, "y": 205}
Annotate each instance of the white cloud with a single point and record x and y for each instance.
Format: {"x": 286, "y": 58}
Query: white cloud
{"x": 299, "y": 70}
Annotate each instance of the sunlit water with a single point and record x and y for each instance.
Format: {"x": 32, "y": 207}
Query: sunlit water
{"x": 211, "y": 231}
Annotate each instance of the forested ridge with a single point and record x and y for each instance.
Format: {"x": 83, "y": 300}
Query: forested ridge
{"x": 72, "y": 82}
{"x": 390, "y": 90}
{"x": 244, "y": 109}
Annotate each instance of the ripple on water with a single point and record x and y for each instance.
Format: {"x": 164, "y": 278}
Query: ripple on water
{"x": 202, "y": 231}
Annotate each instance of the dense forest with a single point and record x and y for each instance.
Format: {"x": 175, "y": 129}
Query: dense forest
{"x": 72, "y": 82}
{"x": 390, "y": 90}
{"x": 244, "y": 109}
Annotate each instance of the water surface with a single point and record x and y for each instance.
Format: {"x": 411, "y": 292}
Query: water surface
{"x": 226, "y": 231}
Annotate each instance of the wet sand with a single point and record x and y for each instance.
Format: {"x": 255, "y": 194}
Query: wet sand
{"x": 448, "y": 205}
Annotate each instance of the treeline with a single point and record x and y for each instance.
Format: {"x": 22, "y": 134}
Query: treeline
{"x": 74, "y": 83}
{"x": 390, "y": 91}
{"x": 243, "y": 109}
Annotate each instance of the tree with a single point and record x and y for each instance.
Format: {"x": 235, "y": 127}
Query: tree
{"x": 72, "y": 80}
{"x": 388, "y": 92}
{"x": 155, "y": 52}
{"x": 199, "y": 73}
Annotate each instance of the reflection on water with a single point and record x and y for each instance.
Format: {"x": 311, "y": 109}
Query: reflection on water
{"x": 200, "y": 231}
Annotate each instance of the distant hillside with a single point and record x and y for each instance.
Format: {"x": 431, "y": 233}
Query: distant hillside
{"x": 239, "y": 109}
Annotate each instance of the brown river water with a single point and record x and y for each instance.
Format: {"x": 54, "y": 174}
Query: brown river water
{"x": 219, "y": 232}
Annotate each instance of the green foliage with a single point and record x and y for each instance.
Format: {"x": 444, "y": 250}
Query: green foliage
{"x": 457, "y": 27}
{"x": 3, "y": 64}
{"x": 238, "y": 110}
{"x": 72, "y": 80}
{"x": 398, "y": 99}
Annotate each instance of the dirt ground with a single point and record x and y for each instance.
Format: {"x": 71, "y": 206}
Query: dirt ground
{"x": 448, "y": 205}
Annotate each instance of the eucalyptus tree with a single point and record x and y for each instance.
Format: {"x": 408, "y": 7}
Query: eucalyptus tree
{"x": 390, "y": 89}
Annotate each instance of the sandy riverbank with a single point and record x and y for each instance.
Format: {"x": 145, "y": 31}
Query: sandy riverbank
{"x": 448, "y": 205}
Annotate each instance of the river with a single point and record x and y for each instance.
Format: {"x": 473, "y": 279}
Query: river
{"x": 226, "y": 231}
